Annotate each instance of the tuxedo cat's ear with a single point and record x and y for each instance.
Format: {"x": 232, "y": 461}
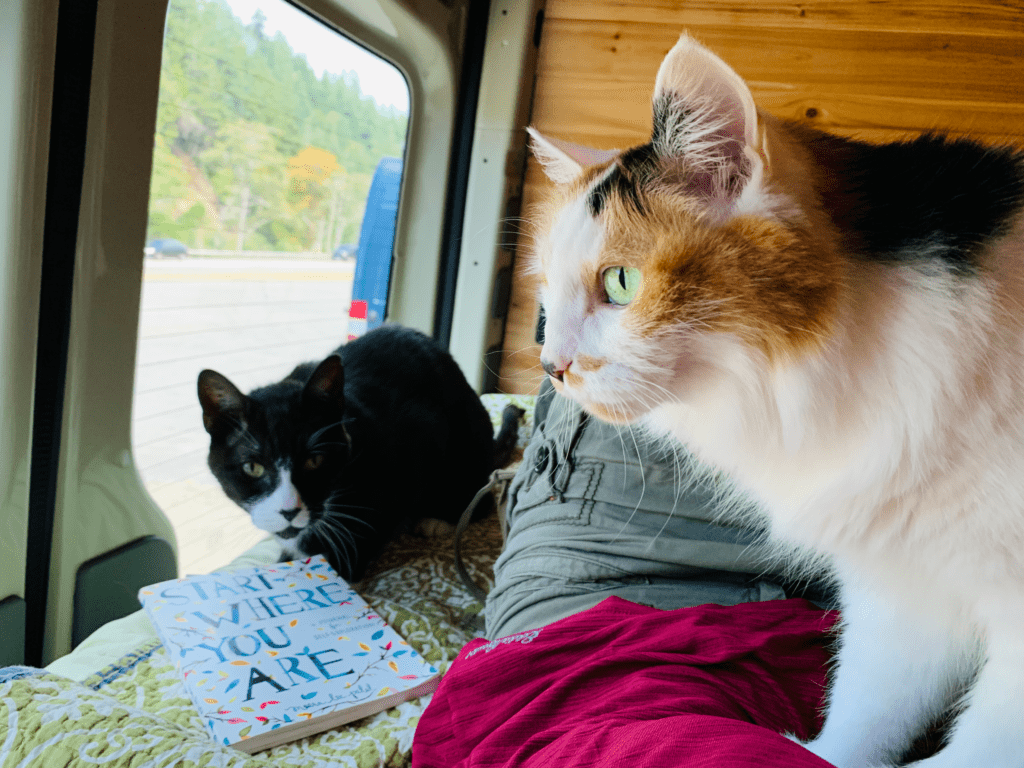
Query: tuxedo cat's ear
{"x": 706, "y": 120}
{"x": 327, "y": 384}
{"x": 563, "y": 161}
{"x": 223, "y": 403}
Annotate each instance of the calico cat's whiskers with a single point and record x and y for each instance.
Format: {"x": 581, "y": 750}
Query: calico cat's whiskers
{"x": 529, "y": 348}
{"x": 837, "y": 325}
{"x": 537, "y": 378}
{"x": 677, "y": 476}
{"x": 649, "y": 394}
{"x": 640, "y": 462}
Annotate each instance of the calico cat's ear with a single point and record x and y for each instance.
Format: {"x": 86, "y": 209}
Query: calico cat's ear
{"x": 563, "y": 161}
{"x": 706, "y": 121}
{"x": 327, "y": 384}
{"x": 223, "y": 403}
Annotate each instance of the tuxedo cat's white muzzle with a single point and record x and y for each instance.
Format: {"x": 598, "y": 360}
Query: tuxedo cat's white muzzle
{"x": 276, "y": 512}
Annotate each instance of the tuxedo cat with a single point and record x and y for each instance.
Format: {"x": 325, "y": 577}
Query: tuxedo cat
{"x": 839, "y": 327}
{"x": 341, "y": 456}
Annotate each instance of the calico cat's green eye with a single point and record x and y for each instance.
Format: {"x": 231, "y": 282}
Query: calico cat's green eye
{"x": 252, "y": 469}
{"x": 621, "y": 284}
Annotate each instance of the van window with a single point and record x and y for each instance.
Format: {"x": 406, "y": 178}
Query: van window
{"x": 277, "y": 165}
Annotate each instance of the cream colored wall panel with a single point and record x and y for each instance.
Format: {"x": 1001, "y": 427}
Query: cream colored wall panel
{"x": 101, "y": 503}
{"x": 27, "y": 39}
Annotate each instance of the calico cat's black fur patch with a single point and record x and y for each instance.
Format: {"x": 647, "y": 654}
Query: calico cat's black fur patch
{"x": 932, "y": 198}
{"x": 338, "y": 458}
{"x": 631, "y": 170}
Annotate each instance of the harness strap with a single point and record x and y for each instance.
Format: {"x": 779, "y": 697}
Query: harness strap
{"x": 497, "y": 478}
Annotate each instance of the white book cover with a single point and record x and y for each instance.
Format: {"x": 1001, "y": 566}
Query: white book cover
{"x": 276, "y": 653}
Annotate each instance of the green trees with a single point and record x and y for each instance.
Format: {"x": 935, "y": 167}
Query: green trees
{"x": 252, "y": 150}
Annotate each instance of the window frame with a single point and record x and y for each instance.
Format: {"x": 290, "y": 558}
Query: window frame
{"x": 99, "y": 503}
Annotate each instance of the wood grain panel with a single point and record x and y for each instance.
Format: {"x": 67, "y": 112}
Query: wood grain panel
{"x": 618, "y": 115}
{"x": 926, "y": 65}
{"x": 911, "y": 16}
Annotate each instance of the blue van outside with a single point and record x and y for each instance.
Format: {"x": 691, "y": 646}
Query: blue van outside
{"x": 376, "y": 243}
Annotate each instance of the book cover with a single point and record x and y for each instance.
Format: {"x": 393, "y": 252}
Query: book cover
{"x": 273, "y": 654}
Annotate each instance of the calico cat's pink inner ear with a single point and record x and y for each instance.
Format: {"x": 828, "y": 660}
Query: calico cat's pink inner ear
{"x": 704, "y": 115}
{"x": 564, "y": 161}
{"x": 692, "y": 74}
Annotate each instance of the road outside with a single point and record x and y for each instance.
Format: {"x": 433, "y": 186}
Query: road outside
{"x": 253, "y": 321}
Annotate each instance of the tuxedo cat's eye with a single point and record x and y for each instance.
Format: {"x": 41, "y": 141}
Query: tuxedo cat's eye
{"x": 252, "y": 469}
{"x": 314, "y": 461}
{"x": 621, "y": 284}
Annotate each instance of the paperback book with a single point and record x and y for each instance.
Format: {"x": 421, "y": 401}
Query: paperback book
{"x": 273, "y": 654}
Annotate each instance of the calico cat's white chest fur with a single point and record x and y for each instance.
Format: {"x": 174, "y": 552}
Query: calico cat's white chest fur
{"x": 839, "y": 327}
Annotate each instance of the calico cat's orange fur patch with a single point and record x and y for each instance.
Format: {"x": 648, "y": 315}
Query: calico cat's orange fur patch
{"x": 751, "y": 277}
{"x": 587, "y": 363}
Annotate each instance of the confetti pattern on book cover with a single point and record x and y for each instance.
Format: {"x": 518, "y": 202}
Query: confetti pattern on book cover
{"x": 263, "y": 648}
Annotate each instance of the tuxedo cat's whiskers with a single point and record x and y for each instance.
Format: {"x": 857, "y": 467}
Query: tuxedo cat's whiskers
{"x": 312, "y": 443}
{"x": 341, "y": 548}
{"x": 242, "y": 430}
{"x": 335, "y": 522}
{"x": 335, "y": 515}
{"x": 314, "y": 457}
{"x": 345, "y": 535}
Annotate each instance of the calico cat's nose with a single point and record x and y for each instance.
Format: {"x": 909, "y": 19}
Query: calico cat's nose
{"x": 551, "y": 370}
{"x": 290, "y": 514}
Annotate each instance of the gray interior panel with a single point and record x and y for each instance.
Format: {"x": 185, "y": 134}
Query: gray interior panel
{"x": 107, "y": 587}
{"x": 12, "y": 631}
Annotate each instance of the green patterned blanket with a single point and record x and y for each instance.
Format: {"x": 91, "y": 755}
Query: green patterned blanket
{"x": 136, "y": 712}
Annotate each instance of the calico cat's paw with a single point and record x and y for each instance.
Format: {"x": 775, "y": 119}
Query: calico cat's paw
{"x": 432, "y": 528}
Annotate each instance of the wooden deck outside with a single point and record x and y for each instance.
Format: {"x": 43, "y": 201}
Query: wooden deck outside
{"x": 874, "y": 70}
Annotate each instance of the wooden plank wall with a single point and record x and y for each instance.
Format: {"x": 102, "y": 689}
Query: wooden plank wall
{"x": 874, "y": 70}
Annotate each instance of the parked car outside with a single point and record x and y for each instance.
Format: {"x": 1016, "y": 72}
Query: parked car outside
{"x": 345, "y": 251}
{"x": 165, "y": 246}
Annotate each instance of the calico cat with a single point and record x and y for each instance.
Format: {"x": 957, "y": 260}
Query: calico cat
{"x": 341, "y": 456}
{"x": 839, "y": 327}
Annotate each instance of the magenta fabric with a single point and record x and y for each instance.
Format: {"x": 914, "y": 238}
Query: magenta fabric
{"x": 627, "y": 685}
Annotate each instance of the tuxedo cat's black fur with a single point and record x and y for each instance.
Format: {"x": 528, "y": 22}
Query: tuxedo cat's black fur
{"x": 341, "y": 456}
